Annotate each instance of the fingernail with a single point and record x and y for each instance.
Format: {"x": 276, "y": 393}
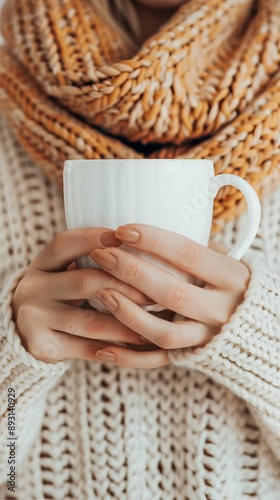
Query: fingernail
{"x": 107, "y": 300}
{"x": 105, "y": 356}
{"x": 149, "y": 299}
{"x": 143, "y": 340}
{"x": 108, "y": 239}
{"x": 127, "y": 235}
{"x": 104, "y": 258}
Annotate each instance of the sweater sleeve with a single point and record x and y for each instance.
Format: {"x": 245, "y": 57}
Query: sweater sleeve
{"x": 26, "y": 201}
{"x": 25, "y": 382}
{"x": 245, "y": 355}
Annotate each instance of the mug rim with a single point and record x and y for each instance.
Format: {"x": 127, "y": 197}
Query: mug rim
{"x": 108, "y": 160}
{"x": 135, "y": 162}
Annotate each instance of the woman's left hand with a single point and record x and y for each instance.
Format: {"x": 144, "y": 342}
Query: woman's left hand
{"x": 205, "y": 309}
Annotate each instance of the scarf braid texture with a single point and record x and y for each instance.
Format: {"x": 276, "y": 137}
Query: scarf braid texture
{"x": 206, "y": 85}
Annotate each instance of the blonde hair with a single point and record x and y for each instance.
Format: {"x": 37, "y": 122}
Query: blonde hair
{"x": 122, "y": 16}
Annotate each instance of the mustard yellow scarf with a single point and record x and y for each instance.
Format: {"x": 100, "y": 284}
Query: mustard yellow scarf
{"x": 206, "y": 85}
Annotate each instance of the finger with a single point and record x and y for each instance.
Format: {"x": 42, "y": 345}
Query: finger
{"x": 167, "y": 335}
{"x": 59, "y": 346}
{"x": 128, "y": 358}
{"x": 76, "y": 303}
{"x": 72, "y": 266}
{"x": 210, "y": 266}
{"x": 85, "y": 284}
{"x": 163, "y": 287}
{"x": 90, "y": 324}
{"x": 218, "y": 247}
{"x": 70, "y": 245}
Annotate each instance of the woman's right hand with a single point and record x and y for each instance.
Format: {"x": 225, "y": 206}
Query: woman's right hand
{"x": 46, "y": 311}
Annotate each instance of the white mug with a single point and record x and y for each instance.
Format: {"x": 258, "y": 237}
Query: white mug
{"x": 176, "y": 195}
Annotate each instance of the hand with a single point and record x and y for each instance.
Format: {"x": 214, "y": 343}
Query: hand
{"x": 51, "y": 326}
{"x": 204, "y": 310}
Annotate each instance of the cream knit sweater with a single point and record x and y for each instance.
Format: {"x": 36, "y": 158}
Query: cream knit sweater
{"x": 206, "y": 427}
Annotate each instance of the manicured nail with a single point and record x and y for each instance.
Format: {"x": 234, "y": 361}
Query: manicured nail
{"x": 105, "y": 356}
{"x": 108, "y": 239}
{"x": 104, "y": 258}
{"x": 149, "y": 299}
{"x": 107, "y": 300}
{"x": 127, "y": 235}
{"x": 143, "y": 340}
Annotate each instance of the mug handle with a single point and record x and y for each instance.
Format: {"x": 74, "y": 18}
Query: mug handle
{"x": 254, "y": 210}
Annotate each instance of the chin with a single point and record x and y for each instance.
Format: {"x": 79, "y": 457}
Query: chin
{"x": 160, "y": 4}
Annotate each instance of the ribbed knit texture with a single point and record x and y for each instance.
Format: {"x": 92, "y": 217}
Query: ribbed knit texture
{"x": 206, "y": 427}
{"x": 206, "y": 85}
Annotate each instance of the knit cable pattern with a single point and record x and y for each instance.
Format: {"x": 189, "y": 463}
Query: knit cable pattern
{"x": 205, "y": 427}
{"x": 205, "y": 86}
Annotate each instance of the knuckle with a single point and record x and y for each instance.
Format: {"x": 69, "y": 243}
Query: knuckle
{"x": 27, "y": 287}
{"x": 84, "y": 325}
{"x": 26, "y": 313}
{"x": 123, "y": 288}
{"x": 133, "y": 273}
{"x": 20, "y": 292}
{"x": 48, "y": 354}
{"x": 176, "y": 295}
{"x": 114, "y": 283}
{"x": 83, "y": 284}
{"x": 90, "y": 322}
{"x": 58, "y": 243}
{"x": 62, "y": 341}
{"x": 130, "y": 320}
{"x": 44, "y": 346}
{"x": 189, "y": 256}
{"x": 154, "y": 243}
{"x": 169, "y": 340}
{"x": 45, "y": 349}
{"x": 130, "y": 336}
{"x": 73, "y": 328}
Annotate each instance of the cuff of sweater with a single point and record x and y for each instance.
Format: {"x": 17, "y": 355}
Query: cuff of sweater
{"x": 247, "y": 349}
{"x": 17, "y": 365}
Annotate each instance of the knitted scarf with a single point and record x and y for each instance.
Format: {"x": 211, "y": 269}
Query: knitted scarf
{"x": 206, "y": 85}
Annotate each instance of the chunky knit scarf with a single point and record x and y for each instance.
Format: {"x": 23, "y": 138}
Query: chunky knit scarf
{"x": 206, "y": 85}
